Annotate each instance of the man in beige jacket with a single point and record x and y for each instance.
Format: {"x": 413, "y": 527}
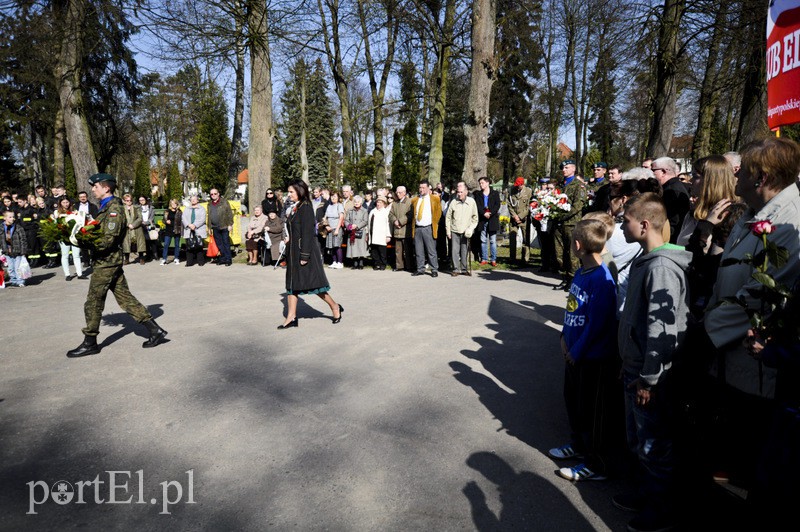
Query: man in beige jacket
{"x": 460, "y": 223}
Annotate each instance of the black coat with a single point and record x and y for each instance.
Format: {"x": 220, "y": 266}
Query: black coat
{"x": 676, "y": 200}
{"x": 303, "y": 245}
{"x": 494, "y": 209}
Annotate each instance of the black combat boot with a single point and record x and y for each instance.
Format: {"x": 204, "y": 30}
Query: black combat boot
{"x": 88, "y": 347}
{"x": 157, "y": 334}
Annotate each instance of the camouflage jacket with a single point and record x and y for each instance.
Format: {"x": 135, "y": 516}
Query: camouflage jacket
{"x": 576, "y": 192}
{"x": 111, "y": 218}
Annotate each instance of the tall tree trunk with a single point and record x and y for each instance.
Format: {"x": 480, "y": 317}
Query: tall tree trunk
{"x": 337, "y": 70}
{"x": 427, "y": 105}
{"x": 59, "y": 150}
{"x": 444, "y": 50}
{"x": 303, "y": 128}
{"x": 482, "y": 76}
{"x": 68, "y": 77}
{"x": 709, "y": 91}
{"x": 235, "y": 156}
{"x": 259, "y": 159}
{"x": 753, "y": 116}
{"x": 666, "y": 95}
{"x": 378, "y": 92}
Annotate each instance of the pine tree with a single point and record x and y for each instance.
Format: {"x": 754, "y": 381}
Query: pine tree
{"x": 512, "y": 94}
{"x": 211, "y": 144}
{"x": 321, "y": 129}
{"x": 307, "y": 133}
{"x": 141, "y": 183}
{"x": 406, "y": 157}
{"x": 174, "y": 183}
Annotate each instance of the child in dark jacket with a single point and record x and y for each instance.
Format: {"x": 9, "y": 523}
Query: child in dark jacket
{"x": 652, "y": 329}
{"x": 588, "y": 344}
{"x": 15, "y": 246}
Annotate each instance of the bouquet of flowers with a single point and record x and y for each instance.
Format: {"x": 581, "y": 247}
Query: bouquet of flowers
{"x": 549, "y": 205}
{"x": 72, "y": 228}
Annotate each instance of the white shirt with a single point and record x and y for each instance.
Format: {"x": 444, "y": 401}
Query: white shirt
{"x": 427, "y": 216}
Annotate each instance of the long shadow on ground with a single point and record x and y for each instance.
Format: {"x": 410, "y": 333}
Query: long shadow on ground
{"x": 525, "y": 390}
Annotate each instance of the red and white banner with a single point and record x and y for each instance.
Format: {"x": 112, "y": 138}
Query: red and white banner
{"x": 783, "y": 63}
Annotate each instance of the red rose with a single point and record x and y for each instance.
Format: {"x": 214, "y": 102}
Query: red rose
{"x": 762, "y": 227}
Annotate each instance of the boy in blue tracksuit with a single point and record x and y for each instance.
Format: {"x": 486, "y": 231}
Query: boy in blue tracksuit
{"x": 588, "y": 344}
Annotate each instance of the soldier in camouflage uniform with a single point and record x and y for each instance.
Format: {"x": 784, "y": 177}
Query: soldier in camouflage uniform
{"x": 575, "y": 190}
{"x": 519, "y": 199}
{"x": 108, "y": 274}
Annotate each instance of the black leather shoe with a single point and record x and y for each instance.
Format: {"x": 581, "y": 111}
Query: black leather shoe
{"x": 417, "y": 274}
{"x": 434, "y": 274}
{"x": 157, "y": 334}
{"x": 293, "y": 323}
{"x": 337, "y": 320}
{"x": 88, "y": 347}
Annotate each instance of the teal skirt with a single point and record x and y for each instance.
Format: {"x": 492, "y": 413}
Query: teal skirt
{"x": 307, "y": 292}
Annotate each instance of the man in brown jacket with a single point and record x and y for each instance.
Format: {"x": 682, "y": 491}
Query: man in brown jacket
{"x": 401, "y": 221}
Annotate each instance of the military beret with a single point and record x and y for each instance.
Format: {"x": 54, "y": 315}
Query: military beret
{"x": 568, "y": 161}
{"x": 520, "y": 181}
{"x": 97, "y": 178}
{"x": 600, "y": 164}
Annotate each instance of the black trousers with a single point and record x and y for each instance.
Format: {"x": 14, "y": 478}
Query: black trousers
{"x": 378, "y": 256}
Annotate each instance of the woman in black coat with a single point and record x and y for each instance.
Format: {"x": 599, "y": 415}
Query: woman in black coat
{"x": 304, "y": 272}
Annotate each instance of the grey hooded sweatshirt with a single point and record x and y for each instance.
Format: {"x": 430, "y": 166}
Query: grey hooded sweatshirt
{"x": 654, "y": 320}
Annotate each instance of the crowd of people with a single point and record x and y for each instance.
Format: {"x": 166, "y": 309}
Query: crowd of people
{"x": 664, "y": 274}
{"x": 707, "y": 393}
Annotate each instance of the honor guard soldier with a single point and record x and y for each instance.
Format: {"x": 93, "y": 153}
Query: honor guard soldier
{"x": 575, "y": 190}
{"x": 108, "y": 274}
{"x": 519, "y": 199}
{"x": 598, "y": 188}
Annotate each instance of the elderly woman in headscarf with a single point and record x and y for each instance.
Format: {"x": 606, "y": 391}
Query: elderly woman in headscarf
{"x": 356, "y": 221}
{"x": 254, "y": 234}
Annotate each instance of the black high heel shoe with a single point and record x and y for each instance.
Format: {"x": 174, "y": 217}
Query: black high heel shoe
{"x": 292, "y": 323}
{"x": 337, "y": 320}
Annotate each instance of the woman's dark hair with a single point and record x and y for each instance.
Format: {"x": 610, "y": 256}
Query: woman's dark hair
{"x": 301, "y": 188}
{"x": 650, "y": 184}
{"x": 627, "y": 188}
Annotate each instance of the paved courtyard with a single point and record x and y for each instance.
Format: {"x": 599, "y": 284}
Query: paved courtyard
{"x": 429, "y": 407}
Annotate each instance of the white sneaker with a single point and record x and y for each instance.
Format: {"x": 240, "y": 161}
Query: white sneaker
{"x": 339, "y": 265}
{"x": 163, "y": 262}
{"x": 176, "y": 261}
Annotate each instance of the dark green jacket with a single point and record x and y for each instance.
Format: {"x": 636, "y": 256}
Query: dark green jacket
{"x": 114, "y": 226}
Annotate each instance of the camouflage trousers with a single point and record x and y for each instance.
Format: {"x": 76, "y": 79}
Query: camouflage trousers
{"x": 567, "y": 261}
{"x": 105, "y": 278}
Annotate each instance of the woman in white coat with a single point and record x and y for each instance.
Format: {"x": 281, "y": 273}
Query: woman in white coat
{"x": 379, "y": 232}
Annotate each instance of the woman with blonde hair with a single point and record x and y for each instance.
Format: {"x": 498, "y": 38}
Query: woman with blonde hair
{"x": 713, "y": 181}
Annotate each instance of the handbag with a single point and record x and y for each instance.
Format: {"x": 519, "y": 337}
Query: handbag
{"x": 194, "y": 242}
{"x": 213, "y": 250}
{"x": 359, "y": 233}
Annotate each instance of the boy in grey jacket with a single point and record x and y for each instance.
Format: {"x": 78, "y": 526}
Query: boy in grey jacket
{"x": 652, "y": 328}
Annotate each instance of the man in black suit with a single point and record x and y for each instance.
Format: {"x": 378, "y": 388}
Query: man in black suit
{"x": 676, "y": 198}
{"x": 488, "y": 202}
